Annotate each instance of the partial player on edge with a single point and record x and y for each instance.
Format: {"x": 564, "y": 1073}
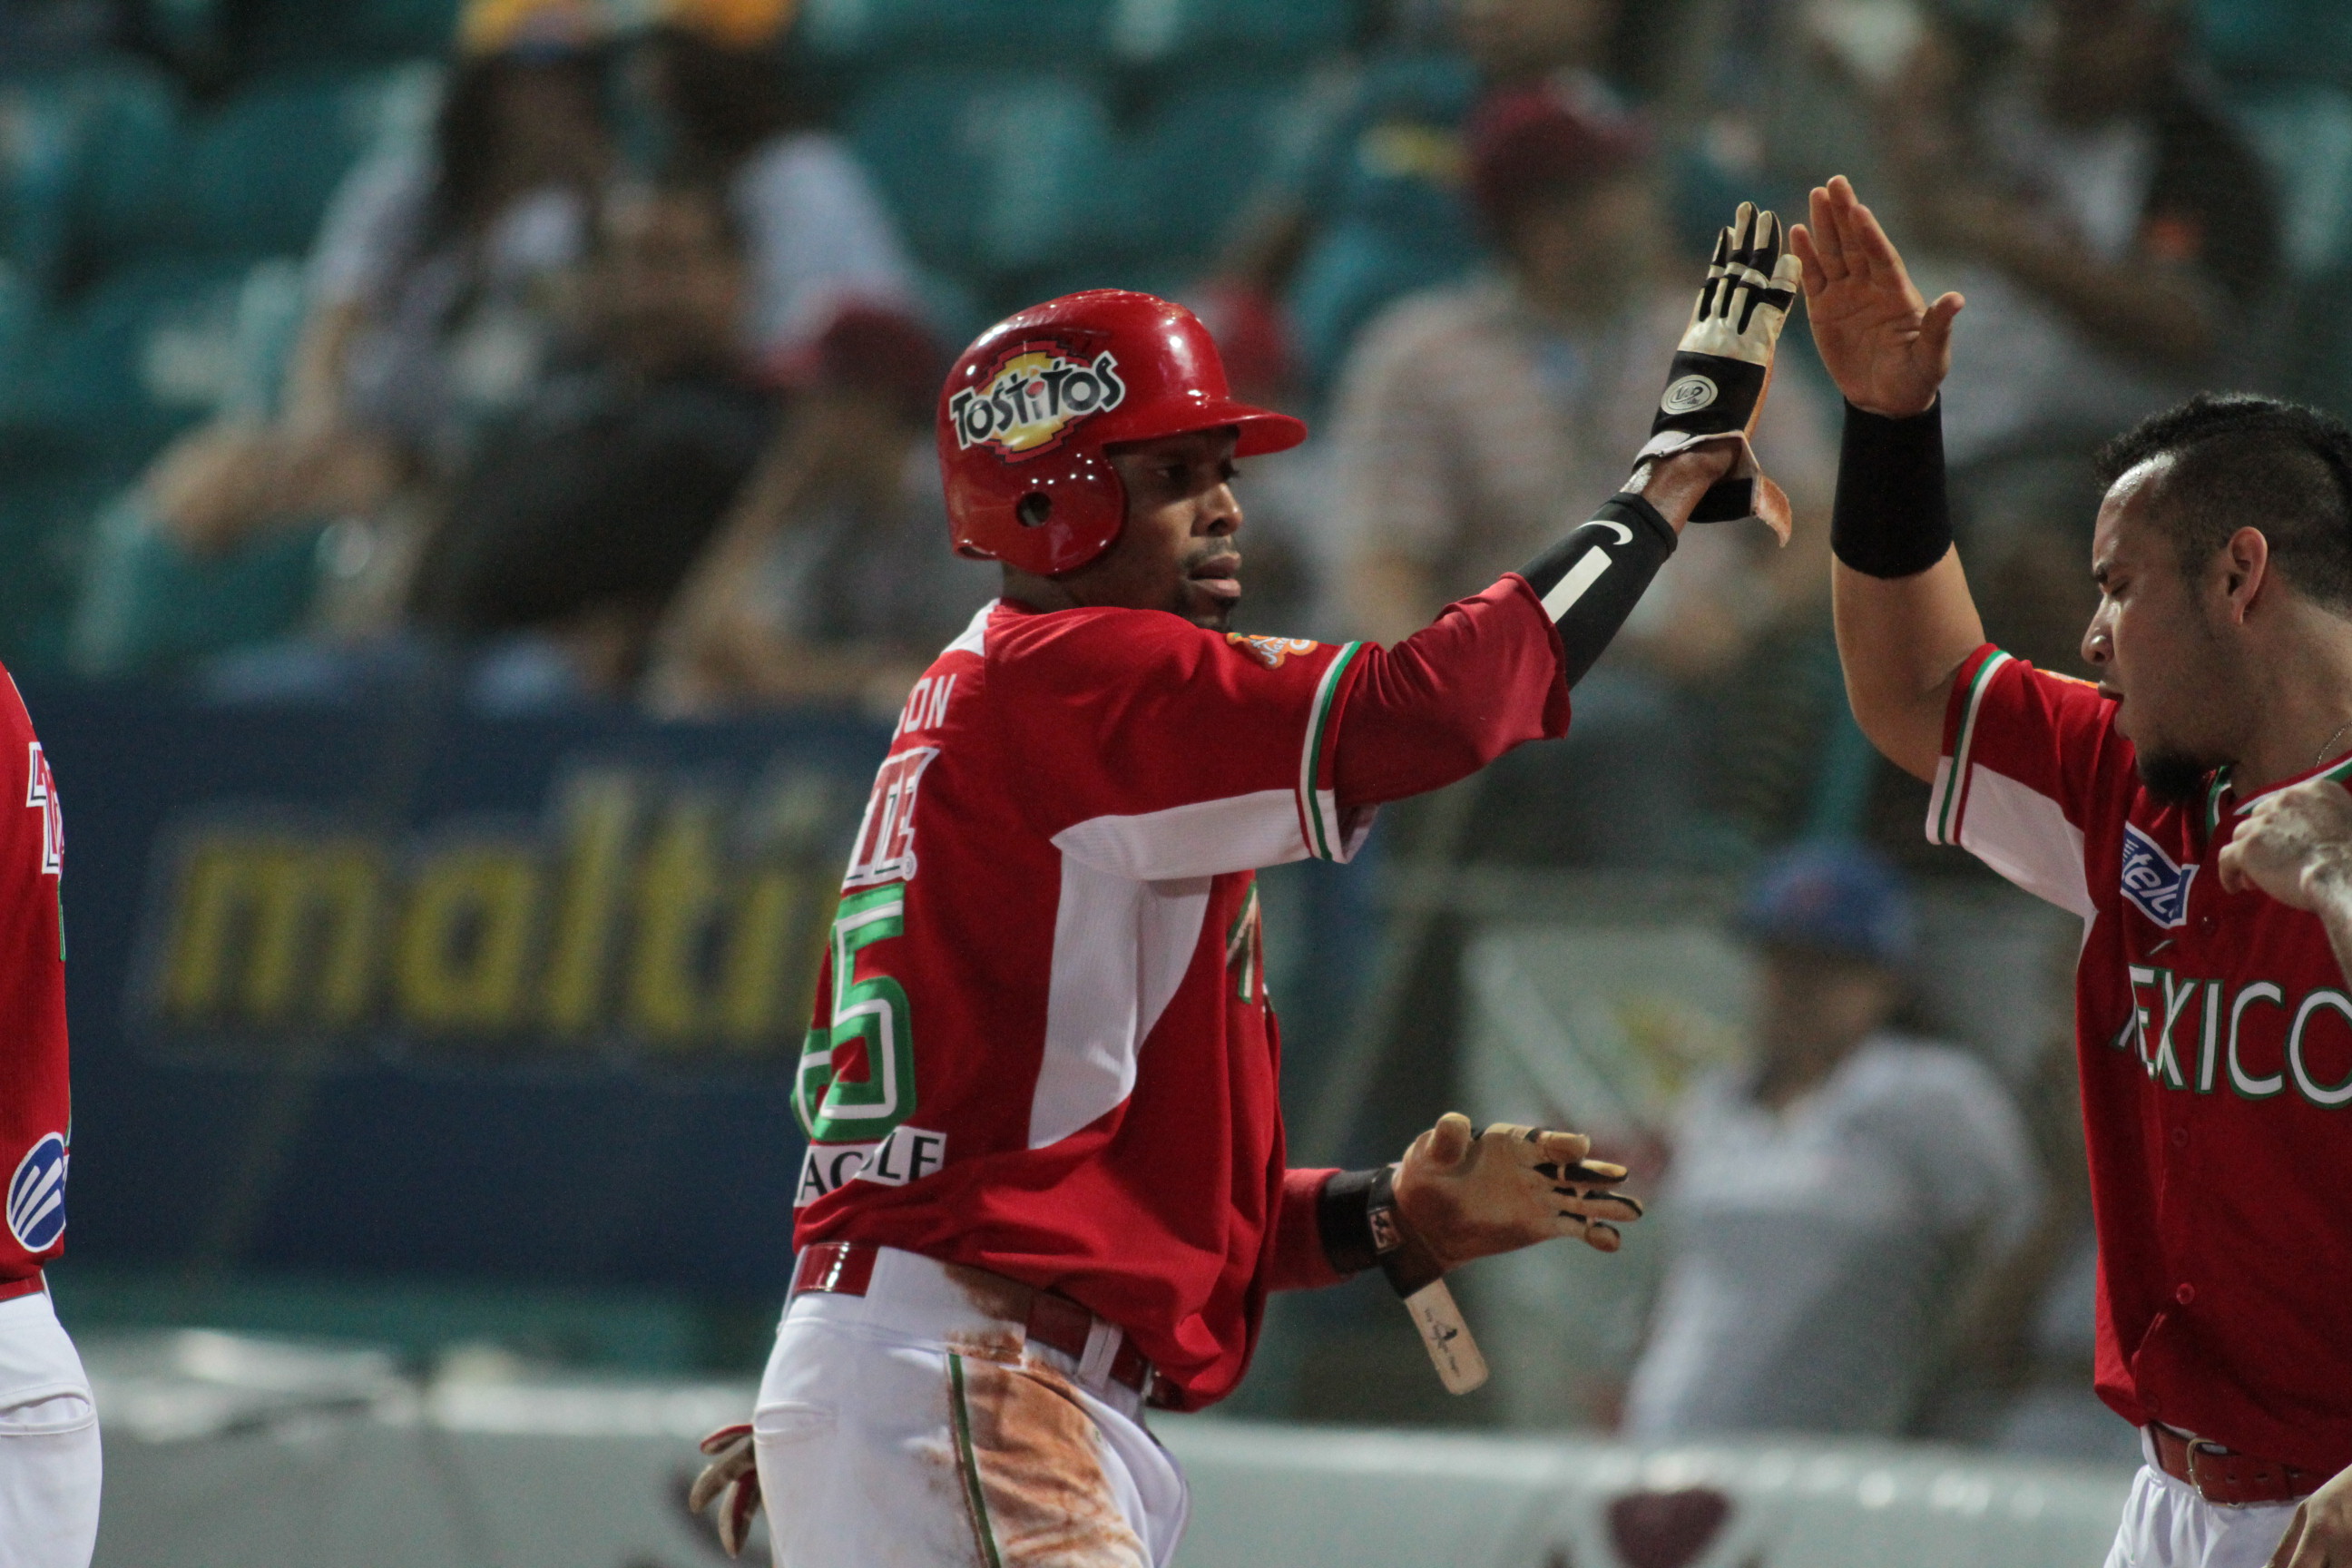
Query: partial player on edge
{"x": 1046, "y": 1184}
{"x": 2212, "y": 1023}
{"x": 49, "y": 1459}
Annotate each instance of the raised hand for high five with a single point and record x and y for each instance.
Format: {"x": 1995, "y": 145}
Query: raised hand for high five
{"x": 1723, "y": 368}
{"x": 1888, "y": 349}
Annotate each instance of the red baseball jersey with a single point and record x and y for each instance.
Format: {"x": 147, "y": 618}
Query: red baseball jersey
{"x": 1042, "y": 1044}
{"x": 2215, "y": 1036}
{"x": 36, "y": 1118}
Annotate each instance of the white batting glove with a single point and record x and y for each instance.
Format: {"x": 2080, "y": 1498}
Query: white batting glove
{"x": 732, "y": 1477}
{"x": 1723, "y": 367}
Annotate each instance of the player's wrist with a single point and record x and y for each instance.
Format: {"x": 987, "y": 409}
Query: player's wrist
{"x": 2327, "y": 881}
{"x": 1893, "y": 516}
{"x": 1362, "y": 1226}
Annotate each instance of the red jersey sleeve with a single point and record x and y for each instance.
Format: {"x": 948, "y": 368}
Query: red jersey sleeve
{"x": 2028, "y": 757}
{"x": 1151, "y": 748}
{"x": 1296, "y": 1261}
{"x": 35, "y": 1107}
{"x": 1481, "y": 679}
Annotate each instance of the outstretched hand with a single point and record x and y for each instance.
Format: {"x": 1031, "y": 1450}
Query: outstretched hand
{"x": 1467, "y": 1193}
{"x": 1888, "y": 349}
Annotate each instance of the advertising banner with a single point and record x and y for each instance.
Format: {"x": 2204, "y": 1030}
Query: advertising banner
{"x": 404, "y": 987}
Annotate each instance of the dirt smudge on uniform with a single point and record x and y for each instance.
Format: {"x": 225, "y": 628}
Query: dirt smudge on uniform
{"x": 1040, "y": 1460}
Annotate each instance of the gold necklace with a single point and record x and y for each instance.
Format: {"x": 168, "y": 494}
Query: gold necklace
{"x": 2330, "y": 741}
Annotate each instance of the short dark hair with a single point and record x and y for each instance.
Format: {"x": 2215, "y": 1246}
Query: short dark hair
{"x": 2243, "y": 461}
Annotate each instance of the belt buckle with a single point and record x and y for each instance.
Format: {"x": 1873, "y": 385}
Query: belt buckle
{"x": 2191, "y": 1447}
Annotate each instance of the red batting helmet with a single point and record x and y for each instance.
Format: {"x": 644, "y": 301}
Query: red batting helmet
{"x": 1030, "y": 406}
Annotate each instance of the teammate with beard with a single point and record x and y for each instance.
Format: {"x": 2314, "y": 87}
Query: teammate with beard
{"x": 2191, "y": 807}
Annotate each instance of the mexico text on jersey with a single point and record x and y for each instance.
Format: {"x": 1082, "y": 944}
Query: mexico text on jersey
{"x": 1041, "y": 1043}
{"x": 2214, "y": 1032}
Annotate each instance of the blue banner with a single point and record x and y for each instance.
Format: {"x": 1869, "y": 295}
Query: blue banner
{"x": 406, "y": 988}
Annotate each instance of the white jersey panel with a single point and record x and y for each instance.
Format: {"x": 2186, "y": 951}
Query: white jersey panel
{"x": 2024, "y": 834}
{"x": 1120, "y": 949}
{"x": 1207, "y": 838}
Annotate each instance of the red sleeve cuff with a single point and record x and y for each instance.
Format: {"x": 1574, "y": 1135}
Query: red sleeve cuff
{"x": 1296, "y": 1261}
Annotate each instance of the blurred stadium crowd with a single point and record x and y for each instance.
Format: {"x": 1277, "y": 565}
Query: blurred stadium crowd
{"x": 586, "y": 353}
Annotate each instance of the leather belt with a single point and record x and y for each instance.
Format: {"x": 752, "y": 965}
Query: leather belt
{"x": 2226, "y": 1476}
{"x": 11, "y": 1288}
{"x": 846, "y": 1268}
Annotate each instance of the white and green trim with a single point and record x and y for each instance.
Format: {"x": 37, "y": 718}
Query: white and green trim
{"x": 1319, "y": 810}
{"x": 968, "y": 1463}
{"x": 1946, "y": 804}
{"x": 2340, "y": 773}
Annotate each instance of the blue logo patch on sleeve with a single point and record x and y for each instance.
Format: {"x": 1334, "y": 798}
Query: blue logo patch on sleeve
{"x": 2152, "y": 883}
{"x": 36, "y": 1196}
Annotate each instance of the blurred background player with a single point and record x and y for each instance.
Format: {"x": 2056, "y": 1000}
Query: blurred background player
{"x": 1814, "y": 1298}
{"x": 49, "y": 1460}
{"x": 1046, "y": 990}
{"x": 2223, "y": 644}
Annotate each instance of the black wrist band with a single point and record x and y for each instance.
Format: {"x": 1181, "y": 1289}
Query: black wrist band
{"x": 1892, "y": 518}
{"x": 1344, "y": 1218}
{"x": 1590, "y": 581}
{"x": 1356, "y": 1215}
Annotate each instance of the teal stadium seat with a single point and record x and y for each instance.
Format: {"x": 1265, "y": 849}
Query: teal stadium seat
{"x": 2302, "y": 133}
{"x": 989, "y": 173}
{"x": 1192, "y": 164}
{"x": 112, "y": 376}
{"x": 2304, "y": 39}
{"x": 1044, "y": 35}
{"x": 255, "y": 174}
{"x": 1147, "y": 32}
{"x": 85, "y": 160}
{"x": 294, "y": 33}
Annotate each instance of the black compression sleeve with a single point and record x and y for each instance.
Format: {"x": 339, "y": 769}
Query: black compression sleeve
{"x": 1590, "y": 581}
{"x": 1892, "y": 516}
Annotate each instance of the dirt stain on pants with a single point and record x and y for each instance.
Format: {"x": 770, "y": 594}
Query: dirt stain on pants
{"x": 1043, "y": 1495}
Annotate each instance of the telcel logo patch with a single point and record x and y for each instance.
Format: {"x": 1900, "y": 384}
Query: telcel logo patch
{"x": 36, "y": 1196}
{"x": 2156, "y": 887}
{"x": 1034, "y": 398}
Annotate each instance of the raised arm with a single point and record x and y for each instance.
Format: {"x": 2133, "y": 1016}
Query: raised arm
{"x": 1905, "y": 618}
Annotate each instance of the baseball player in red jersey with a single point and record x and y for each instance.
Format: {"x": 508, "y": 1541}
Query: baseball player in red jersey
{"x": 2190, "y": 809}
{"x": 48, "y": 1427}
{"x": 1045, "y": 1184}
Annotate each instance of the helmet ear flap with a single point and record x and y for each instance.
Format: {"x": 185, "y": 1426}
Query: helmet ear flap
{"x": 1046, "y": 518}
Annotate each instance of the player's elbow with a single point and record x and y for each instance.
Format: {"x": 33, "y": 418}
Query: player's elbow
{"x": 1907, "y": 730}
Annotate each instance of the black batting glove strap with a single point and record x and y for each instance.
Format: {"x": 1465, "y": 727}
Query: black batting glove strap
{"x": 1893, "y": 517}
{"x": 1590, "y": 581}
{"x": 1356, "y": 1214}
{"x": 1708, "y": 395}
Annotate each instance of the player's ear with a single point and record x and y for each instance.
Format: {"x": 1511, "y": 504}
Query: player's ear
{"x": 2245, "y": 560}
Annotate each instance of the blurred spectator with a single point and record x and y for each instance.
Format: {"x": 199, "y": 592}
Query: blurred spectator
{"x": 1369, "y": 206}
{"x": 1477, "y": 423}
{"x": 833, "y": 579}
{"x": 436, "y": 288}
{"x": 1828, "y": 1196}
{"x": 571, "y": 533}
{"x": 819, "y": 236}
{"x": 2116, "y": 240}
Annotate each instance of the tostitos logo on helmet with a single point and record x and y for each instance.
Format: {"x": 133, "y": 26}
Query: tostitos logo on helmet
{"x": 1034, "y": 399}
{"x": 1032, "y": 410}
